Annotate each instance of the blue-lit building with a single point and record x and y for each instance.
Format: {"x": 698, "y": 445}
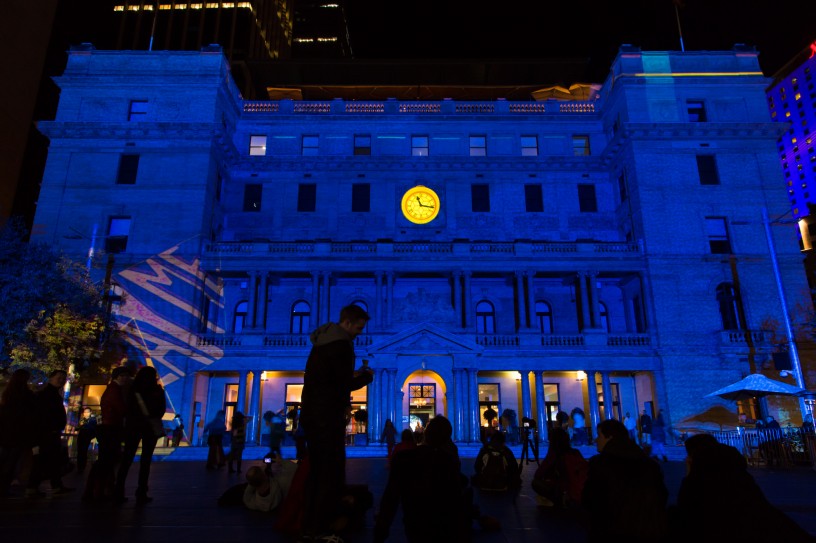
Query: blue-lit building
{"x": 606, "y": 252}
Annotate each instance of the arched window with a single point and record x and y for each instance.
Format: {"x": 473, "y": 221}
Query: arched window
{"x": 727, "y": 300}
{"x": 299, "y": 322}
{"x": 485, "y": 318}
{"x": 603, "y": 315}
{"x": 543, "y": 313}
{"x": 240, "y": 317}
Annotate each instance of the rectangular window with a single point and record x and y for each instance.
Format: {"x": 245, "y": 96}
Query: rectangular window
{"x": 696, "y": 111}
{"x": 118, "y": 232}
{"x": 307, "y": 197}
{"x": 717, "y": 233}
{"x": 478, "y": 146}
{"x": 419, "y": 146}
{"x": 362, "y": 145}
{"x": 252, "y": 196}
{"x": 480, "y": 198}
{"x": 529, "y": 145}
{"x": 533, "y": 198}
{"x": 137, "y": 110}
{"x": 580, "y": 145}
{"x": 587, "y": 202}
{"x": 361, "y": 197}
{"x": 128, "y": 168}
{"x": 707, "y": 170}
{"x": 257, "y": 145}
{"x": 311, "y": 145}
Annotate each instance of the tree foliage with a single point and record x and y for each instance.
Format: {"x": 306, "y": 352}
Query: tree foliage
{"x": 51, "y": 315}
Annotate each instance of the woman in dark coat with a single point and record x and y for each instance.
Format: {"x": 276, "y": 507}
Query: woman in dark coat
{"x": 145, "y": 401}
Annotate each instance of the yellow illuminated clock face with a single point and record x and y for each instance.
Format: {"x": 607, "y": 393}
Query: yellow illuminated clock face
{"x": 420, "y": 205}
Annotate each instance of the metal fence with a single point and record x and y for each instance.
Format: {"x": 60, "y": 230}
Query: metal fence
{"x": 771, "y": 447}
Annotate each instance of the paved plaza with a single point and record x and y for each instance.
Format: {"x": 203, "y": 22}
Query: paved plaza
{"x": 184, "y": 507}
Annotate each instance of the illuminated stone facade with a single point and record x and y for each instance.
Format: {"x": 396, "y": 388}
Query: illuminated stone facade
{"x": 619, "y": 236}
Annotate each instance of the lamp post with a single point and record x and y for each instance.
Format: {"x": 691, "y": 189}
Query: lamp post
{"x": 791, "y": 340}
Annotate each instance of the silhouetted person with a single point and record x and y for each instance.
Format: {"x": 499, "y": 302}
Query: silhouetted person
{"x": 659, "y": 437}
{"x": 624, "y": 493}
{"x": 560, "y": 477}
{"x": 110, "y": 432}
{"x": 178, "y": 430}
{"x": 327, "y": 385}
{"x": 389, "y": 436}
{"x": 18, "y": 419}
{"x": 50, "y": 462}
{"x": 496, "y": 467}
{"x": 86, "y": 432}
{"x": 719, "y": 500}
{"x": 145, "y": 401}
{"x": 215, "y": 430}
{"x": 427, "y": 483}
{"x": 237, "y": 441}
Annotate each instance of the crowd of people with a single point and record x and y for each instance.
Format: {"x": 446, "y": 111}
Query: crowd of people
{"x": 618, "y": 495}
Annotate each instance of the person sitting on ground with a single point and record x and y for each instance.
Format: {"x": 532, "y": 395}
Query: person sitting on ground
{"x": 266, "y": 489}
{"x": 624, "y": 493}
{"x": 717, "y": 486}
{"x": 426, "y": 481}
{"x": 560, "y": 478}
{"x": 496, "y": 467}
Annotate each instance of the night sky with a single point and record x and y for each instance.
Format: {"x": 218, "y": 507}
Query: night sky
{"x": 592, "y": 29}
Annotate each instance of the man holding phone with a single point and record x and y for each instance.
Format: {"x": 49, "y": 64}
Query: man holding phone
{"x": 328, "y": 382}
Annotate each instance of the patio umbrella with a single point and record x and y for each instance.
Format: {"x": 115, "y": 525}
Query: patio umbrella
{"x": 755, "y": 385}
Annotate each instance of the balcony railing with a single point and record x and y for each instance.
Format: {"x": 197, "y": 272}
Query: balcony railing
{"x": 628, "y": 340}
{"x": 242, "y": 248}
{"x": 396, "y": 107}
{"x": 737, "y": 337}
{"x": 560, "y": 340}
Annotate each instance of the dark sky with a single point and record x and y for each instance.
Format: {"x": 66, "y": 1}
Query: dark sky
{"x": 591, "y": 29}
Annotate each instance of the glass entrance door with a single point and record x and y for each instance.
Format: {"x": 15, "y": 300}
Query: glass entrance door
{"x": 421, "y": 404}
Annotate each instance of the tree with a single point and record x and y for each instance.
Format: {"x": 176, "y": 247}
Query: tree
{"x": 51, "y": 315}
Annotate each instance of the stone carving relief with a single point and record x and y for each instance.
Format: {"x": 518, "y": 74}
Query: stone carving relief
{"x": 423, "y": 306}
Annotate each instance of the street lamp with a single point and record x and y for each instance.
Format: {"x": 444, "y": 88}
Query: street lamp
{"x": 791, "y": 340}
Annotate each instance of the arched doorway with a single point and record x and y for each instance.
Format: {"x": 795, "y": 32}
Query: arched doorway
{"x": 424, "y": 397}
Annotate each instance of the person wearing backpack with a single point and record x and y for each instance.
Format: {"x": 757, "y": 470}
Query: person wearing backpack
{"x": 496, "y": 467}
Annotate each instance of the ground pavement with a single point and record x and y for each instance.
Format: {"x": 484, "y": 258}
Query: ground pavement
{"x": 185, "y": 493}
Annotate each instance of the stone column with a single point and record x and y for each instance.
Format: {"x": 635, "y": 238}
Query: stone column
{"x": 595, "y": 303}
{"x": 373, "y": 406}
{"x": 391, "y": 393}
{"x": 526, "y": 399}
{"x": 531, "y": 318}
{"x": 518, "y": 278}
{"x": 473, "y": 404}
{"x": 646, "y": 302}
{"x": 314, "y": 311}
{"x": 263, "y": 299}
{"x": 581, "y": 288}
{"x": 541, "y": 408}
{"x": 390, "y": 297}
{"x": 458, "y": 410}
{"x": 253, "y": 429}
{"x": 606, "y": 387}
{"x": 457, "y": 297}
{"x": 241, "y": 403}
{"x": 325, "y": 298}
{"x": 594, "y": 416}
{"x": 378, "y": 306}
{"x": 252, "y": 285}
{"x": 468, "y": 301}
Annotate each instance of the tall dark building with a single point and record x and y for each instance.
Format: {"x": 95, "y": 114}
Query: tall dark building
{"x": 253, "y": 29}
{"x": 320, "y": 30}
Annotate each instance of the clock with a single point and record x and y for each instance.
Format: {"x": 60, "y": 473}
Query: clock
{"x": 420, "y": 205}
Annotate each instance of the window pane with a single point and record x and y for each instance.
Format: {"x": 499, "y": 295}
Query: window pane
{"x": 252, "y": 197}
{"x": 361, "y": 197}
{"x": 307, "y": 197}
{"x": 587, "y": 202}
{"x": 707, "y": 170}
{"x": 529, "y": 145}
{"x": 257, "y": 145}
{"x": 696, "y": 111}
{"x": 480, "y": 198}
{"x": 310, "y": 145}
{"x": 362, "y": 145}
{"x": 138, "y": 109}
{"x": 478, "y": 146}
{"x": 580, "y": 145}
{"x": 533, "y": 198}
{"x": 128, "y": 168}
{"x": 419, "y": 145}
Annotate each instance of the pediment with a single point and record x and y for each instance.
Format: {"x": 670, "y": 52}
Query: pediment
{"x": 425, "y": 338}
